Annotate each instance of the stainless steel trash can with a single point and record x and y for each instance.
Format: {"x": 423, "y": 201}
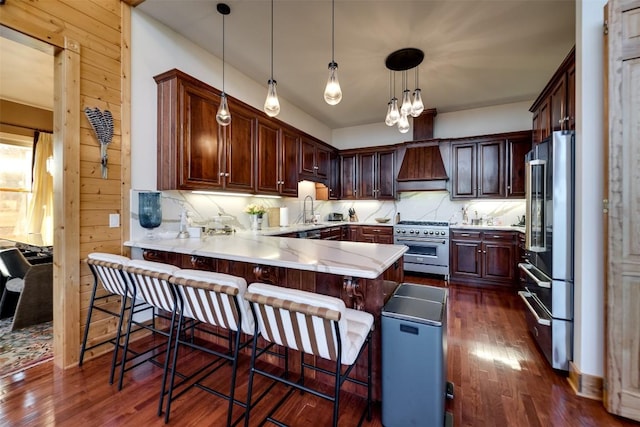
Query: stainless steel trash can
{"x": 414, "y": 359}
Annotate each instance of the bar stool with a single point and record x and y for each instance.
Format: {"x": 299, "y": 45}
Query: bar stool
{"x": 313, "y": 324}
{"x": 214, "y": 299}
{"x": 108, "y": 270}
{"x": 151, "y": 283}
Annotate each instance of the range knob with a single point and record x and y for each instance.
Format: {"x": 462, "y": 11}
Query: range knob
{"x": 431, "y": 232}
{"x": 437, "y": 233}
{"x": 404, "y": 231}
{"x": 410, "y": 231}
{"x": 398, "y": 231}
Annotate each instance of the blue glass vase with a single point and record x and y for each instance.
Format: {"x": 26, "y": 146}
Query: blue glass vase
{"x": 149, "y": 211}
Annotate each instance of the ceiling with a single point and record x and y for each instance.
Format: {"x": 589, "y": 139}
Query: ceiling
{"x": 477, "y": 53}
{"x": 26, "y": 74}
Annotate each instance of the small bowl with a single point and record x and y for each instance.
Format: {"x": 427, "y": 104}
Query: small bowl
{"x": 382, "y": 220}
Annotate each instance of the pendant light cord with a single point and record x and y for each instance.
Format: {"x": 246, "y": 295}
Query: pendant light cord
{"x": 333, "y": 31}
{"x": 223, "y": 54}
{"x": 272, "y": 40}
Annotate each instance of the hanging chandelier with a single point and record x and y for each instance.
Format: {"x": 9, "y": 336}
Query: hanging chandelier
{"x": 404, "y": 60}
{"x": 271, "y": 104}
{"x": 332, "y": 91}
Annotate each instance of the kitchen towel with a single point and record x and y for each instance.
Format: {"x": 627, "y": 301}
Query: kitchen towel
{"x": 284, "y": 217}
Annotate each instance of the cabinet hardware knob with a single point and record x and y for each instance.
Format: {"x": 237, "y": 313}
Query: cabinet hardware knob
{"x": 479, "y": 251}
{"x": 484, "y": 252}
{"x": 221, "y": 173}
{"x": 226, "y": 174}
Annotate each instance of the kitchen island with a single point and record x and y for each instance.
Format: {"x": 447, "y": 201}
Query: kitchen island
{"x": 363, "y": 275}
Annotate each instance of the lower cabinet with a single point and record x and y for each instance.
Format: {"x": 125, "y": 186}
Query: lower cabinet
{"x": 374, "y": 234}
{"x": 331, "y": 233}
{"x": 485, "y": 257}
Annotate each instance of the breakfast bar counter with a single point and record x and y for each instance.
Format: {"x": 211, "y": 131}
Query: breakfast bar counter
{"x": 363, "y": 275}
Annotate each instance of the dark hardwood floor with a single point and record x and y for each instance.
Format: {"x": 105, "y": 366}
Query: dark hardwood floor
{"x": 500, "y": 377}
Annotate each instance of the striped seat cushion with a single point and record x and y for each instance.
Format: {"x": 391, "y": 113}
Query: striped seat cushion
{"x": 305, "y": 321}
{"x": 209, "y": 296}
{"x": 108, "y": 268}
{"x": 151, "y": 280}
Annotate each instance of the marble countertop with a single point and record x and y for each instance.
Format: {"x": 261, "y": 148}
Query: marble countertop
{"x": 365, "y": 260}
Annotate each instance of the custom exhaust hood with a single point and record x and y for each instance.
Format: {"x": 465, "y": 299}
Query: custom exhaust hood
{"x": 421, "y": 165}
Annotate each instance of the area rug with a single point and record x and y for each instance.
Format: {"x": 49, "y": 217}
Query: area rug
{"x": 24, "y": 348}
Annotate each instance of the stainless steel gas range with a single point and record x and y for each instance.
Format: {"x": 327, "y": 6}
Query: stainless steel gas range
{"x": 428, "y": 243}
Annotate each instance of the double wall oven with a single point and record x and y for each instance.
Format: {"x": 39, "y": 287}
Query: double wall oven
{"x": 548, "y": 293}
{"x": 428, "y": 243}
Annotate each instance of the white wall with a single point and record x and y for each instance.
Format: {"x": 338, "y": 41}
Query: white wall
{"x": 457, "y": 124}
{"x": 589, "y": 242}
{"x": 155, "y": 49}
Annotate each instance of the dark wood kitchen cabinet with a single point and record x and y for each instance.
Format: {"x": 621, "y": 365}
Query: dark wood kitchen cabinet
{"x": 517, "y": 146}
{"x": 374, "y": 234}
{"x": 368, "y": 175}
{"x": 314, "y": 160}
{"x": 478, "y": 169}
{"x": 194, "y": 152}
{"x": 277, "y": 160}
{"x": 333, "y": 183}
{"x": 554, "y": 109}
{"x": 486, "y": 257}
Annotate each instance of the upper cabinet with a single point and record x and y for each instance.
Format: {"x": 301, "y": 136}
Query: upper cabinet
{"x": 191, "y": 145}
{"x": 555, "y": 107}
{"x": 517, "y": 146}
{"x": 278, "y": 149}
{"x": 490, "y": 166}
{"x": 478, "y": 169}
{"x": 254, "y": 154}
{"x": 194, "y": 153}
{"x": 368, "y": 174}
{"x": 314, "y": 160}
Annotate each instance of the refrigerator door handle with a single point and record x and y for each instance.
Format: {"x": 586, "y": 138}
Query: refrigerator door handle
{"x": 535, "y": 205}
{"x": 529, "y": 269}
{"x": 525, "y": 297}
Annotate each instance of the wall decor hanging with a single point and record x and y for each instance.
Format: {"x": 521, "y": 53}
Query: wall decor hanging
{"x": 102, "y": 124}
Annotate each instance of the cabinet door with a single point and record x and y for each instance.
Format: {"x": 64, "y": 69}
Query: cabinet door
{"x": 491, "y": 169}
{"x": 558, "y": 102}
{"x": 464, "y": 170}
{"x": 499, "y": 260}
{"x": 386, "y": 175}
{"x": 544, "y": 118}
{"x": 348, "y": 176}
{"x": 517, "y": 148}
{"x": 465, "y": 258}
{"x": 240, "y": 150}
{"x": 290, "y": 141}
{"x": 307, "y": 157}
{"x": 334, "y": 176}
{"x": 366, "y": 176}
{"x": 268, "y": 158}
{"x": 322, "y": 156}
{"x": 201, "y": 142}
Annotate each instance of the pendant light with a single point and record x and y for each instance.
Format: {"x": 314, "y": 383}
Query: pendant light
{"x": 406, "y": 96}
{"x": 417, "y": 107}
{"x": 223, "y": 117}
{"x": 404, "y": 60}
{"x": 393, "y": 114}
{"x": 332, "y": 92}
{"x": 271, "y": 104}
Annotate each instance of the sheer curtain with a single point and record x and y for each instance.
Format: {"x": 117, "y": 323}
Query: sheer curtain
{"x": 40, "y": 216}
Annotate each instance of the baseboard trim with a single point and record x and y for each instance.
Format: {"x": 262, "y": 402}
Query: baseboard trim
{"x": 585, "y": 385}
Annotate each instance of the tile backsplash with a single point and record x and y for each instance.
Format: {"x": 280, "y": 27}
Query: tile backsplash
{"x": 216, "y": 211}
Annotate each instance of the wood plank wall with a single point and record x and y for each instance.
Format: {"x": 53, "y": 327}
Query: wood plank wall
{"x": 101, "y": 28}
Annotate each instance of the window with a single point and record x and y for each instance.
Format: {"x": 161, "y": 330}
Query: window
{"x": 15, "y": 182}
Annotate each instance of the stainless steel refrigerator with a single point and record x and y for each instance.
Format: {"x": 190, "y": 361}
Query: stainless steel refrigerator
{"x": 548, "y": 294}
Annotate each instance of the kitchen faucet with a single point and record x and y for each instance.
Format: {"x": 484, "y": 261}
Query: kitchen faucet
{"x": 304, "y": 210}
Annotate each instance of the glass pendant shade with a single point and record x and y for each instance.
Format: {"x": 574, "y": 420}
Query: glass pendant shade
{"x": 406, "y": 102}
{"x": 223, "y": 117}
{"x": 417, "y": 107}
{"x": 403, "y": 124}
{"x": 394, "y": 114}
{"x": 387, "y": 118}
{"x": 332, "y": 92}
{"x": 271, "y": 104}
